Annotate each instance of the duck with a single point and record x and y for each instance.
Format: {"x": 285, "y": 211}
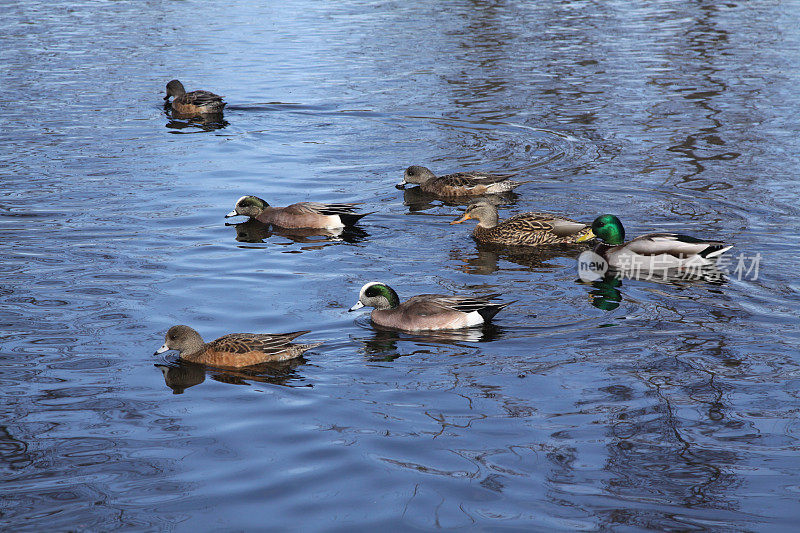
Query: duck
{"x": 524, "y": 229}
{"x": 653, "y": 251}
{"x": 458, "y": 184}
{"x": 235, "y": 350}
{"x": 299, "y": 215}
{"x": 195, "y": 102}
{"x": 426, "y": 312}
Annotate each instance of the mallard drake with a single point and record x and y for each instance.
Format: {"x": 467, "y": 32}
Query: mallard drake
{"x": 458, "y": 184}
{"x": 195, "y": 102}
{"x": 524, "y": 229}
{"x": 654, "y": 251}
{"x": 299, "y": 215}
{"x": 234, "y": 350}
{"x": 425, "y": 312}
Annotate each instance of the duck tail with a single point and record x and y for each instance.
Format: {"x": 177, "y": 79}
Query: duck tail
{"x": 301, "y": 348}
{"x": 350, "y": 219}
{"x": 490, "y": 310}
{"x": 294, "y": 334}
{"x": 715, "y": 249}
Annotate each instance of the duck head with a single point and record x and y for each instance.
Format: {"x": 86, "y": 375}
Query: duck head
{"x": 378, "y": 295}
{"x": 249, "y": 206}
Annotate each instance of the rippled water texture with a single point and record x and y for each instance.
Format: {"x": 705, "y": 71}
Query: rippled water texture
{"x": 629, "y": 405}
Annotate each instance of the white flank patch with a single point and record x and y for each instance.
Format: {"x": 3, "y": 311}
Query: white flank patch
{"x": 334, "y": 222}
{"x": 474, "y": 318}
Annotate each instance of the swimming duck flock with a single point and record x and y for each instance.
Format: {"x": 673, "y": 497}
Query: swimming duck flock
{"x": 667, "y": 253}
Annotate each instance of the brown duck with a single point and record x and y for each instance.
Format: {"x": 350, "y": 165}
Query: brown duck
{"x": 195, "y": 102}
{"x": 234, "y": 350}
{"x": 458, "y": 184}
{"x": 524, "y": 229}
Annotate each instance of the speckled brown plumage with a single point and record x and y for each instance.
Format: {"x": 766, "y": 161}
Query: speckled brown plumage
{"x": 524, "y": 229}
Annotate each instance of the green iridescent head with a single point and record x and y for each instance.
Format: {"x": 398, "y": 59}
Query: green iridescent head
{"x": 608, "y": 229}
{"x": 249, "y": 206}
{"x": 377, "y": 295}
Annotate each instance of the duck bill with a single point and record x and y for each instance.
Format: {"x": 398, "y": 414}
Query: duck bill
{"x": 162, "y": 349}
{"x": 232, "y": 214}
{"x": 462, "y": 219}
{"x": 586, "y": 237}
{"x": 356, "y": 307}
{"x": 401, "y": 185}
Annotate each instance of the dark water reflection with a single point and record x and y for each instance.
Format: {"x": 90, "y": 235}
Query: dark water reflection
{"x": 181, "y": 375}
{"x": 616, "y": 405}
{"x": 253, "y": 231}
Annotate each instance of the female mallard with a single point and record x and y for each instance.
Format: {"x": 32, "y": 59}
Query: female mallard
{"x": 299, "y": 215}
{"x": 525, "y": 229}
{"x": 426, "y": 312}
{"x": 654, "y": 251}
{"x": 195, "y": 102}
{"x": 235, "y": 350}
{"x": 459, "y": 184}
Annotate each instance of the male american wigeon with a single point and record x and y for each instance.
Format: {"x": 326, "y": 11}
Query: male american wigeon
{"x": 234, "y": 350}
{"x": 524, "y": 229}
{"x": 299, "y": 215}
{"x": 426, "y": 312}
{"x": 195, "y": 102}
{"x": 458, "y": 184}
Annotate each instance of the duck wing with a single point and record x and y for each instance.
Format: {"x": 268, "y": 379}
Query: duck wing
{"x": 253, "y": 342}
{"x": 542, "y": 222}
{"x": 471, "y": 179}
{"x": 675, "y": 245}
{"x": 200, "y": 98}
{"x": 436, "y": 303}
{"x": 323, "y": 209}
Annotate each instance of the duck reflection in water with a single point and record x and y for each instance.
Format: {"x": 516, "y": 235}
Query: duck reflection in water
{"x": 382, "y": 345}
{"x": 418, "y": 200}
{"x": 254, "y": 231}
{"x": 606, "y": 293}
{"x": 207, "y": 122}
{"x": 487, "y": 259}
{"x": 181, "y": 375}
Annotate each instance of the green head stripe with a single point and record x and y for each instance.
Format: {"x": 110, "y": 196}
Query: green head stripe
{"x": 252, "y": 201}
{"x": 379, "y": 289}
